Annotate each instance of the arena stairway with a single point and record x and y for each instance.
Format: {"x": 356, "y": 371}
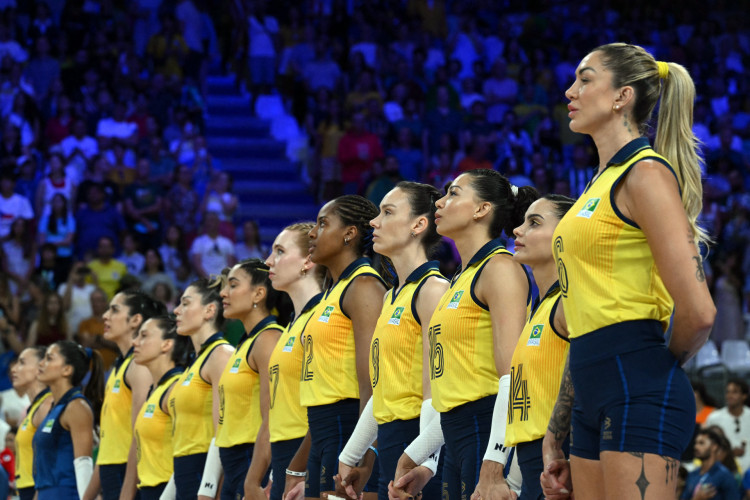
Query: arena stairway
{"x": 268, "y": 185}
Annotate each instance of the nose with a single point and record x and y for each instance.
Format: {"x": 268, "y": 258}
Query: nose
{"x": 517, "y": 231}
{"x": 569, "y": 93}
{"x": 374, "y": 223}
{"x": 440, "y": 202}
{"x": 313, "y": 232}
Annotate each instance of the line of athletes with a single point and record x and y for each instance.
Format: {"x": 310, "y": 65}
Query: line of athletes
{"x": 366, "y": 385}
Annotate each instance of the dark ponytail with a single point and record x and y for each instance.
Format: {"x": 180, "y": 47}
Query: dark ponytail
{"x": 139, "y": 302}
{"x": 276, "y": 300}
{"x": 509, "y": 203}
{"x": 562, "y": 203}
{"x": 84, "y": 361}
{"x": 182, "y": 352}
{"x": 422, "y": 198}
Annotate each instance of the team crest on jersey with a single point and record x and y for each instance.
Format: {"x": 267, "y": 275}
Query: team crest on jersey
{"x": 536, "y": 335}
{"x": 453, "y": 304}
{"x": 48, "y": 426}
{"x": 235, "y": 366}
{"x": 188, "y": 379}
{"x": 588, "y": 209}
{"x": 116, "y": 388}
{"x": 396, "y": 316}
{"x": 289, "y": 345}
{"x": 326, "y": 314}
{"x": 150, "y": 409}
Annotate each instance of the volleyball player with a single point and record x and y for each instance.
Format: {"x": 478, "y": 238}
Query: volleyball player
{"x": 63, "y": 441}
{"x": 164, "y": 354}
{"x": 405, "y": 232}
{"x": 473, "y": 333}
{"x": 126, "y": 390}
{"x": 335, "y": 383}
{"x": 628, "y": 257}
{"x": 242, "y": 433}
{"x": 194, "y": 401}
{"x": 539, "y": 357}
{"x": 290, "y": 271}
{"x": 24, "y": 377}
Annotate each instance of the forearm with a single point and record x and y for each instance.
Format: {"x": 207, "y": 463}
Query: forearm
{"x": 559, "y": 423}
{"x": 261, "y": 457}
{"x": 130, "y": 481}
{"x": 299, "y": 462}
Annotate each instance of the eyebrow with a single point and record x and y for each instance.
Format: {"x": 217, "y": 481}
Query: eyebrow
{"x": 531, "y": 216}
{"x": 586, "y": 68}
{"x": 232, "y": 279}
{"x": 387, "y": 205}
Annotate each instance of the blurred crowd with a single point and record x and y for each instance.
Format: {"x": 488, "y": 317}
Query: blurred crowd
{"x": 106, "y": 181}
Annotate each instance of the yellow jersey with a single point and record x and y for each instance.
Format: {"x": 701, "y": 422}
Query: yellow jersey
{"x": 287, "y": 418}
{"x": 462, "y": 363}
{"x": 396, "y": 351}
{"x": 24, "y": 448}
{"x": 606, "y": 269}
{"x": 329, "y": 370}
{"x": 153, "y": 435}
{"x": 239, "y": 392}
{"x": 117, "y": 417}
{"x": 191, "y": 405}
{"x": 535, "y": 373}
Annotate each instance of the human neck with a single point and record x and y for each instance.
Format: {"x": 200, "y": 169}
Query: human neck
{"x": 200, "y": 336}
{"x": 33, "y": 390}
{"x": 735, "y": 411}
{"x": 336, "y": 268}
{"x": 610, "y": 139}
{"x": 708, "y": 463}
{"x": 59, "y": 388}
{"x": 302, "y": 291}
{"x": 254, "y": 317}
{"x": 124, "y": 344}
{"x": 545, "y": 275}
{"x": 468, "y": 245}
{"x": 407, "y": 260}
{"x": 159, "y": 366}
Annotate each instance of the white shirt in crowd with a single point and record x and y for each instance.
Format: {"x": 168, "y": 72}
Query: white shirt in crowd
{"x": 737, "y": 430}
{"x": 214, "y": 252}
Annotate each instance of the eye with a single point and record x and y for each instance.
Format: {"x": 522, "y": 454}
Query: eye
{"x": 387, "y": 212}
{"x": 533, "y": 223}
{"x": 280, "y": 251}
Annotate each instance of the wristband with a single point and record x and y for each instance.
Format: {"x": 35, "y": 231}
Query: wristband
{"x": 374, "y": 450}
{"x": 294, "y": 473}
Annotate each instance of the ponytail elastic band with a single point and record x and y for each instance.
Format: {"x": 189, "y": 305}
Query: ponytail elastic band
{"x": 514, "y": 189}
{"x": 89, "y": 353}
{"x": 663, "y": 69}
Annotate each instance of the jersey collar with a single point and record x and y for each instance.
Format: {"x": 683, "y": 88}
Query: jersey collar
{"x": 487, "y": 249}
{"x": 349, "y": 270}
{"x": 629, "y": 150}
{"x": 171, "y": 372}
{"x": 120, "y": 359}
{"x": 213, "y": 338}
{"x": 416, "y": 275}
{"x": 39, "y": 396}
{"x": 310, "y": 304}
{"x": 257, "y": 328}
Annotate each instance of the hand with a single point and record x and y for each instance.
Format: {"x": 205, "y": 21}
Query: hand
{"x": 556, "y": 481}
{"x": 294, "y": 488}
{"x": 409, "y": 480}
{"x": 350, "y": 481}
{"x": 492, "y": 485}
{"x": 705, "y": 492}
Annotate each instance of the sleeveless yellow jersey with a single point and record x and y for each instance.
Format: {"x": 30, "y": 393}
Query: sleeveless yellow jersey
{"x": 117, "y": 418}
{"x": 535, "y": 373}
{"x": 287, "y": 418}
{"x": 190, "y": 405}
{"x": 24, "y": 448}
{"x": 606, "y": 269}
{"x": 329, "y": 371}
{"x": 153, "y": 435}
{"x": 239, "y": 392}
{"x": 462, "y": 364}
{"x": 396, "y": 351}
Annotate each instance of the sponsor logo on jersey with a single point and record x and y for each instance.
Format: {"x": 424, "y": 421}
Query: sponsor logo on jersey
{"x": 326, "y": 314}
{"x": 453, "y": 304}
{"x": 235, "y": 366}
{"x": 188, "y": 379}
{"x": 150, "y": 409}
{"x": 116, "y": 387}
{"x": 48, "y": 426}
{"x": 536, "y": 335}
{"x": 396, "y": 316}
{"x": 289, "y": 345}
{"x": 589, "y": 208}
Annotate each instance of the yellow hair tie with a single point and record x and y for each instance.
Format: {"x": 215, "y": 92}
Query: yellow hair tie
{"x": 663, "y": 69}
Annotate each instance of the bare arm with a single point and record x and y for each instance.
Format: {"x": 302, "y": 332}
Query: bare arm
{"x": 139, "y": 379}
{"x": 211, "y": 373}
{"x": 362, "y": 294}
{"x": 79, "y": 420}
{"x": 427, "y": 301}
{"x": 259, "y": 358}
{"x": 650, "y": 197}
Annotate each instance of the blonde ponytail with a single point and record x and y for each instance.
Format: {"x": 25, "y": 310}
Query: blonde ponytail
{"x": 677, "y": 143}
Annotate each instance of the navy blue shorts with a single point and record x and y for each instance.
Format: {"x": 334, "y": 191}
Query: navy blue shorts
{"x": 57, "y": 493}
{"x": 235, "y": 461}
{"x": 393, "y": 438}
{"x": 111, "y": 477}
{"x": 330, "y": 428}
{"x": 630, "y": 393}
{"x": 152, "y": 492}
{"x": 188, "y": 472}
{"x": 466, "y": 430}
{"x": 282, "y": 453}
{"x": 26, "y": 493}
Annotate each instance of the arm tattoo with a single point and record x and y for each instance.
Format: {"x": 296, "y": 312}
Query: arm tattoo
{"x": 559, "y": 423}
{"x": 699, "y": 273}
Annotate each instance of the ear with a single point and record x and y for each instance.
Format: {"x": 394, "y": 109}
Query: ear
{"x": 260, "y": 294}
{"x": 351, "y": 233}
{"x": 67, "y": 371}
{"x": 135, "y": 321}
{"x": 482, "y": 210}
{"x": 167, "y": 345}
{"x": 308, "y": 264}
{"x": 210, "y": 312}
{"x": 420, "y": 225}
{"x": 624, "y": 96}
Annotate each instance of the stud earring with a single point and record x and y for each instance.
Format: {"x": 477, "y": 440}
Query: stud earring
{"x": 303, "y": 272}
{"x": 255, "y": 305}
{"x": 413, "y": 234}
{"x": 346, "y": 241}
